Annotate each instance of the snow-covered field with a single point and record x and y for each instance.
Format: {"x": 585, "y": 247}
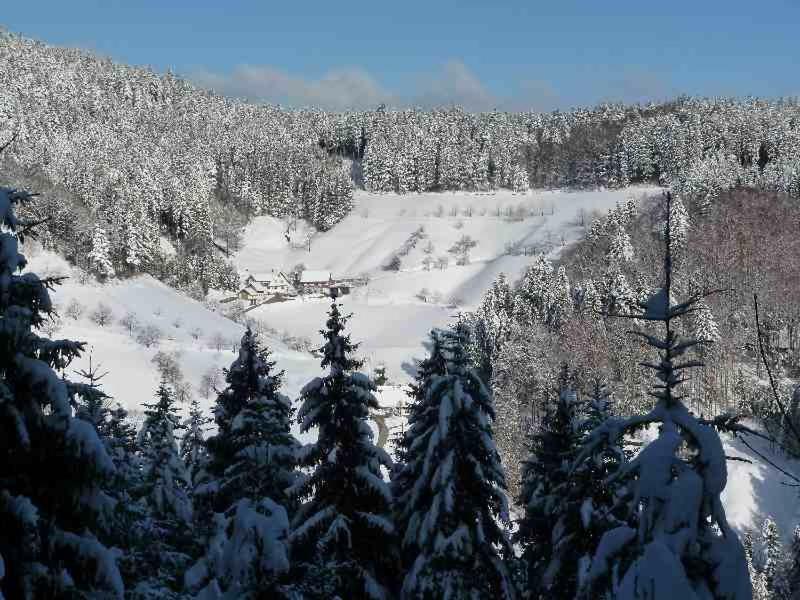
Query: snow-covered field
{"x": 389, "y": 320}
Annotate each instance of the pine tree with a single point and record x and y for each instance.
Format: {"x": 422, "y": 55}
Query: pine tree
{"x": 435, "y": 364}
{"x": 560, "y": 308}
{"x": 675, "y": 541}
{"x": 793, "y": 576}
{"x": 344, "y": 528}
{"x": 552, "y": 448}
{"x": 53, "y": 465}
{"x": 250, "y": 466}
{"x": 450, "y": 486}
{"x": 490, "y": 326}
{"x": 757, "y": 579}
{"x": 100, "y": 255}
{"x": 581, "y": 506}
{"x": 123, "y": 526}
{"x": 165, "y": 535}
{"x": 771, "y": 562}
{"x": 534, "y": 293}
{"x": 679, "y": 226}
{"x": 252, "y": 455}
{"x": 193, "y": 447}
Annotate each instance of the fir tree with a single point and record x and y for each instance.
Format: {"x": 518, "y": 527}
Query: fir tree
{"x": 435, "y": 364}
{"x": 53, "y": 465}
{"x": 344, "y": 528}
{"x": 164, "y": 535}
{"x": 581, "y": 507}
{"x": 490, "y": 326}
{"x": 251, "y": 465}
{"x": 534, "y": 294}
{"x": 552, "y": 448}
{"x": 99, "y": 256}
{"x": 675, "y": 540}
{"x": 252, "y": 455}
{"x": 193, "y": 446}
{"x": 450, "y": 487}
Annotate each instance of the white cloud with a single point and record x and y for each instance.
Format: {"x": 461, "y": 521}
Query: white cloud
{"x": 453, "y": 83}
{"x": 340, "y": 89}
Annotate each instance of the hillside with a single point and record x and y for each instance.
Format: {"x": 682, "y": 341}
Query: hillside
{"x": 391, "y": 318}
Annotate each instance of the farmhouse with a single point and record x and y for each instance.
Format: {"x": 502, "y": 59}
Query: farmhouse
{"x": 322, "y": 282}
{"x": 275, "y": 282}
{"x": 260, "y": 287}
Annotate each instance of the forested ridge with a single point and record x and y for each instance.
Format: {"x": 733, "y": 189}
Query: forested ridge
{"x": 143, "y": 156}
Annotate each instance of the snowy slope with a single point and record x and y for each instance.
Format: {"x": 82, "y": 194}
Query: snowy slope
{"x": 132, "y": 377}
{"x": 389, "y": 319}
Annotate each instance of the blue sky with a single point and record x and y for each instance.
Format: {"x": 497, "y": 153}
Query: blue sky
{"x": 504, "y": 54}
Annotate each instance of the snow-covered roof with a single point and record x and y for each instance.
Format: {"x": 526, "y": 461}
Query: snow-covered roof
{"x": 274, "y": 278}
{"x": 263, "y": 276}
{"x": 252, "y": 288}
{"x": 315, "y": 276}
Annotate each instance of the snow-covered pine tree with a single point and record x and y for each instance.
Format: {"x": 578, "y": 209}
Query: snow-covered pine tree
{"x": 122, "y": 527}
{"x": 561, "y": 306}
{"x": 490, "y": 326}
{"x": 344, "y": 528}
{"x": 534, "y": 293}
{"x": 53, "y": 464}
{"x": 582, "y": 506}
{"x": 252, "y": 454}
{"x": 90, "y": 401}
{"x": 193, "y": 446}
{"x": 100, "y": 255}
{"x": 519, "y": 179}
{"x": 675, "y": 541}
{"x": 771, "y": 561}
{"x": 757, "y": 579}
{"x": 451, "y": 497}
{"x": 403, "y": 479}
{"x": 552, "y": 448}
{"x": 679, "y": 226}
{"x": 251, "y": 464}
{"x": 165, "y": 534}
{"x": 793, "y": 576}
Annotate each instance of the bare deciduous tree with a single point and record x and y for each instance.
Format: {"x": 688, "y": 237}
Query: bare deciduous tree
{"x": 148, "y": 336}
{"x": 102, "y": 314}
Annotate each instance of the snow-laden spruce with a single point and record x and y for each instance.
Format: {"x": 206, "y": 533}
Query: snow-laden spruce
{"x": 193, "y": 443}
{"x": 165, "y": 538}
{"x": 343, "y": 529}
{"x": 450, "y": 496}
{"x": 553, "y": 446}
{"x": 99, "y": 258}
{"x": 53, "y": 465}
{"x": 674, "y": 540}
{"x": 490, "y": 326}
{"x": 244, "y": 482}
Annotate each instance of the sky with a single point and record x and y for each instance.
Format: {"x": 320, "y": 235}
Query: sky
{"x": 482, "y": 55}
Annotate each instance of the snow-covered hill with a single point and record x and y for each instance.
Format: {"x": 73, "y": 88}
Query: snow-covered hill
{"x": 202, "y": 338}
{"x": 390, "y": 318}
